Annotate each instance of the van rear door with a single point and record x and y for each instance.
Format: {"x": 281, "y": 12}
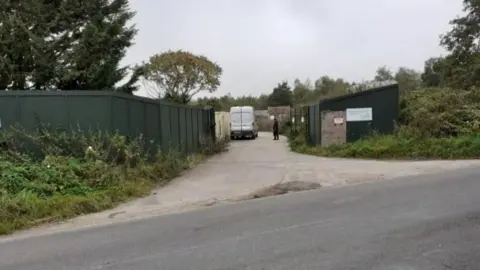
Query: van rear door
{"x": 247, "y": 121}
{"x": 236, "y": 121}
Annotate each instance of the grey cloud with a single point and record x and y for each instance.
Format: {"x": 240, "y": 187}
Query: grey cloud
{"x": 259, "y": 43}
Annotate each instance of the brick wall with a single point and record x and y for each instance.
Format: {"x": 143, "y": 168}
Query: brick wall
{"x": 334, "y": 128}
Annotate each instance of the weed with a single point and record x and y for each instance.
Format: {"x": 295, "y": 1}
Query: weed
{"x": 401, "y": 145}
{"x": 50, "y": 175}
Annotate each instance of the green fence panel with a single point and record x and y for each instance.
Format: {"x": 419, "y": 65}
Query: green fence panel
{"x": 318, "y": 124}
{"x": 36, "y": 110}
{"x": 189, "y": 129}
{"x": 161, "y": 124}
{"x": 153, "y": 123}
{"x": 311, "y": 124}
{"x": 195, "y": 128}
{"x": 9, "y": 111}
{"x": 175, "y": 127}
{"x": 206, "y": 123}
{"x": 120, "y": 115}
{"x": 166, "y": 127}
{"x": 137, "y": 118}
{"x": 183, "y": 128}
{"x": 87, "y": 112}
{"x": 201, "y": 126}
{"x": 40, "y": 109}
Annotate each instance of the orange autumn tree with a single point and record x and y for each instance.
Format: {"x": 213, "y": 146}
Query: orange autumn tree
{"x": 177, "y": 76}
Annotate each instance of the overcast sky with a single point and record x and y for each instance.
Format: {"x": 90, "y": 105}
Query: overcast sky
{"x": 259, "y": 43}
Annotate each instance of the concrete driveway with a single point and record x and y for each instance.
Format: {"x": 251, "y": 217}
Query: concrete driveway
{"x": 248, "y": 166}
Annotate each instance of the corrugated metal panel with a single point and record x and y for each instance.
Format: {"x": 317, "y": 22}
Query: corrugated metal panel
{"x": 161, "y": 123}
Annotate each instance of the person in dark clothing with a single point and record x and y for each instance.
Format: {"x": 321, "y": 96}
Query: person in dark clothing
{"x": 275, "y": 129}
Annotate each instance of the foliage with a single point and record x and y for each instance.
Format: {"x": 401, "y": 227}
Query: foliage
{"x": 52, "y": 175}
{"x": 281, "y": 95}
{"x": 383, "y": 74}
{"x": 327, "y": 87}
{"x": 224, "y": 103}
{"x": 461, "y": 67}
{"x": 408, "y": 79}
{"x": 68, "y": 45}
{"x": 179, "y": 75}
{"x": 301, "y": 91}
{"x": 441, "y": 112}
{"x": 399, "y": 146}
{"x": 433, "y": 72}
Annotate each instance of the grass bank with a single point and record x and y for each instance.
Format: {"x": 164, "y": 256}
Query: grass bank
{"x": 49, "y": 176}
{"x": 397, "y": 146}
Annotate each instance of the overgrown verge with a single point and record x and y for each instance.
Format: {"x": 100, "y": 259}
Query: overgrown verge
{"x": 434, "y": 124}
{"x": 48, "y": 176}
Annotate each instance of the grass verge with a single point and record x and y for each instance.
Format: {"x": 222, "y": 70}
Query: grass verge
{"x": 400, "y": 145}
{"x": 48, "y": 176}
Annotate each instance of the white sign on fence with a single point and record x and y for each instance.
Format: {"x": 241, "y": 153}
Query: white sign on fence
{"x": 359, "y": 114}
{"x": 338, "y": 120}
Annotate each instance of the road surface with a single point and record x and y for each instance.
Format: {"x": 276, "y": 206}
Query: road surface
{"x": 420, "y": 222}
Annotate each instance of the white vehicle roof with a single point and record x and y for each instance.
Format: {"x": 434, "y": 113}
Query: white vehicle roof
{"x": 241, "y": 109}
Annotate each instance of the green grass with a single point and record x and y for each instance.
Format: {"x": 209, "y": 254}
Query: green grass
{"x": 397, "y": 146}
{"x": 51, "y": 176}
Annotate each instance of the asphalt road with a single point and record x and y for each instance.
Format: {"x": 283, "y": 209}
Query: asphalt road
{"x": 428, "y": 222}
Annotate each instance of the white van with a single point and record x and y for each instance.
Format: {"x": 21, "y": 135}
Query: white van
{"x": 243, "y": 123}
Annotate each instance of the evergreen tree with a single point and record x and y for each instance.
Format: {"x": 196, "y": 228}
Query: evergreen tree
{"x": 67, "y": 45}
{"x": 98, "y": 42}
{"x": 282, "y": 95}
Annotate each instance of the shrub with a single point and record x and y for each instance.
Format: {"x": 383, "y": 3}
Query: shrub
{"x": 401, "y": 145}
{"x": 440, "y": 112}
{"x": 51, "y": 175}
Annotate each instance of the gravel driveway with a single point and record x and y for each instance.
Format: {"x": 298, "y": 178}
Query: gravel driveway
{"x": 250, "y": 165}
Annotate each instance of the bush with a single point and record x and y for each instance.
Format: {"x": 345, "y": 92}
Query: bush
{"x": 52, "y": 175}
{"x": 399, "y": 146}
{"x": 441, "y": 112}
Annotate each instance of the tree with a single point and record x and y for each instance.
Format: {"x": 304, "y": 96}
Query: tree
{"x": 408, "y": 79}
{"x": 432, "y": 75}
{"x": 16, "y": 61}
{"x": 327, "y": 87}
{"x": 177, "y": 76}
{"x": 301, "y": 92}
{"x": 383, "y": 74}
{"x": 99, "y": 37}
{"x": 281, "y": 96}
{"x": 67, "y": 45}
{"x": 324, "y": 85}
{"x": 462, "y": 67}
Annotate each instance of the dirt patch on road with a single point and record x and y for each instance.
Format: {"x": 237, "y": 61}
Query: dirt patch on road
{"x": 282, "y": 188}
